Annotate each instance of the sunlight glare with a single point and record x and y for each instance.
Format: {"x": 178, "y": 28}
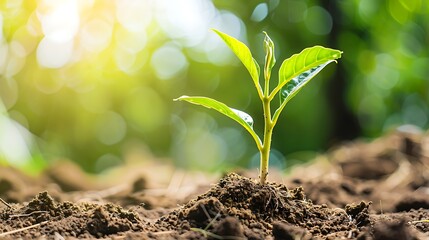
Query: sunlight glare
{"x": 59, "y": 19}
{"x": 95, "y": 35}
{"x": 52, "y": 54}
{"x": 14, "y": 140}
{"x": 134, "y": 15}
{"x": 187, "y": 22}
{"x": 60, "y": 24}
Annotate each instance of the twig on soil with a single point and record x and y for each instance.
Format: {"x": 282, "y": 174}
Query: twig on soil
{"x": 5, "y": 203}
{"x": 27, "y": 214}
{"x": 208, "y": 215}
{"x": 58, "y": 236}
{"x": 22, "y": 229}
{"x": 162, "y": 233}
{"x": 419, "y": 221}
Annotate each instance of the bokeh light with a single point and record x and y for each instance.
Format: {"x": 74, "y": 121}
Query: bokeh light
{"x": 82, "y": 79}
{"x": 168, "y": 61}
{"x": 318, "y": 20}
{"x": 260, "y": 12}
{"x": 14, "y": 142}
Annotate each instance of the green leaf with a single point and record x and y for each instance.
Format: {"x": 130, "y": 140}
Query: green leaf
{"x": 243, "y": 53}
{"x": 241, "y": 117}
{"x": 299, "y": 69}
{"x": 307, "y": 59}
{"x": 270, "y": 58}
{"x": 292, "y": 87}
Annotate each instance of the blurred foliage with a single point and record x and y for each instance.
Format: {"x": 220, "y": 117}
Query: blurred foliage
{"x": 90, "y": 80}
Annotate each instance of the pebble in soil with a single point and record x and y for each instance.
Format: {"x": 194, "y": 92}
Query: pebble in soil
{"x": 238, "y": 207}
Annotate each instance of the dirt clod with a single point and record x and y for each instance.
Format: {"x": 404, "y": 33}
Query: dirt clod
{"x": 229, "y": 227}
{"x": 359, "y": 213}
{"x": 203, "y": 211}
{"x": 286, "y": 231}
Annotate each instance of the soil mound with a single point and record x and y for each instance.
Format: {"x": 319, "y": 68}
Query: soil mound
{"x": 249, "y": 210}
{"x": 313, "y": 203}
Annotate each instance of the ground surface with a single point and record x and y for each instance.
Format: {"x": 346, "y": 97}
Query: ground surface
{"x": 376, "y": 190}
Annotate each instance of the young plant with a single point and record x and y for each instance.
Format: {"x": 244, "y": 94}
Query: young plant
{"x": 295, "y": 72}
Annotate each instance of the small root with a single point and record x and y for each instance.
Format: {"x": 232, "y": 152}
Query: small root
{"x": 163, "y": 232}
{"x": 6, "y": 204}
{"x": 419, "y": 221}
{"x": 278, "y": 197}
{"x": 22, "y": 229}
{"x": 26, "y": 215}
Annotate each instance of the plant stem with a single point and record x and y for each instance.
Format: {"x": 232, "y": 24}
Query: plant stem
{"x": 266, "y": 146}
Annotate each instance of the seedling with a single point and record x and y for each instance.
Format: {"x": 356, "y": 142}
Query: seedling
{"x": 295, "y": 72}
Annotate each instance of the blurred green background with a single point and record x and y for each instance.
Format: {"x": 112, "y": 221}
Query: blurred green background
{"x": 91, "y": 81}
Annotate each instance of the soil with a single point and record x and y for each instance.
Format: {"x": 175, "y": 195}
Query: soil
{"x": 360, "y": 190}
